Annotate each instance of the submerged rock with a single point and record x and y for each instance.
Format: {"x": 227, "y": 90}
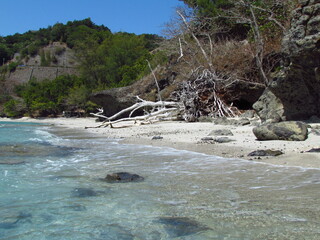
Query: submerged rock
{"x": 116, "y": 232}
{"x": 34, "y": 150}
{"x": 181, "y": 226}
{"x": 263, "y": 153}
{"x": 22, "y": 217}
{"x": 121, "y": 177}
{"x": 289, "y": 131}
{"x": 8, "y": 225}
{"x": 83, "y": 192}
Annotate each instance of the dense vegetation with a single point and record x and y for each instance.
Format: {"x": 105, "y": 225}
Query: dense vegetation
{"x": 104, "y": 60}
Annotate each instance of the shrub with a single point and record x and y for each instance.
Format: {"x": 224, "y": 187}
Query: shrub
{"x": 78, "y": 96}
{"x": 33, "y": 50}
{"x": 14, "y": 108}
{"x": 59, "y": 50}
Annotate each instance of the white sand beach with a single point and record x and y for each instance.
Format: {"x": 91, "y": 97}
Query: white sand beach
{"x": 188, "y": 136}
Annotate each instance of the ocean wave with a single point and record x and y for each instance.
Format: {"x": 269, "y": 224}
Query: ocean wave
{"x": 44, "y": 136}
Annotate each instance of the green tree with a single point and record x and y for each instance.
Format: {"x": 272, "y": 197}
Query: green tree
{"x": 117, "y": 61}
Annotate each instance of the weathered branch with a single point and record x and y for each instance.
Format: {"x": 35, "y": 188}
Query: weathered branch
{"x": 197, "y": 40}
{"x": 181, "y": 51}
{"x": 155, "y": 79}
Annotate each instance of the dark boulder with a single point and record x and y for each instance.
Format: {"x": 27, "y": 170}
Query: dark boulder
{"x": 289, "y": 131}
{"x": 122, "y": 177}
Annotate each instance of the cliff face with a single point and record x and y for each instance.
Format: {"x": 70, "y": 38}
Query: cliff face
{"x": 294, "y": 92}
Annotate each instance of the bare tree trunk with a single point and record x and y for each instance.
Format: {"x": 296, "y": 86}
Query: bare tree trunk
{"x": 259, "y": 46}
{"x": 205, "y": 55}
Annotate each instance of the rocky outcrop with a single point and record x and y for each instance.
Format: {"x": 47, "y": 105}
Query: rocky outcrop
{"x": 113, "y": 100}
{"x": 288, "y": 131}
{"x": 294, "y": 91}
{"x": 242, "y": 94}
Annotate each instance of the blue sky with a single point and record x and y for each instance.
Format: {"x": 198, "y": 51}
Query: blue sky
{"x": 134, "y": 16}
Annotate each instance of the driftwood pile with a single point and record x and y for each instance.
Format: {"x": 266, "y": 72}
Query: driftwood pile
{"x": 195, "y": 98}
{"x": 199, "y": 97}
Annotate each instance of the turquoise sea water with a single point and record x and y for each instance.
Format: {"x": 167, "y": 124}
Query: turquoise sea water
{"x": 51, "y": 188}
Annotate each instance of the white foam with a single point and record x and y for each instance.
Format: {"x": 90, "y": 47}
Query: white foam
{"x": 45, "y": 136}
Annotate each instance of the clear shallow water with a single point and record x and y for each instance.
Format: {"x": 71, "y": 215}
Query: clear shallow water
{"x": 51, "y": 188}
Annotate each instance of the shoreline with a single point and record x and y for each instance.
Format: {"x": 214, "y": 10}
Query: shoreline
{"x": 188, "y": 136}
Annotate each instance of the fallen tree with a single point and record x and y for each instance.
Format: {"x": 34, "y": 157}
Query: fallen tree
{"x": 153, "y": 112}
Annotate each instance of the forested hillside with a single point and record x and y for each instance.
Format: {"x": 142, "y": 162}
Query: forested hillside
{"x": 101, "y": 58}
